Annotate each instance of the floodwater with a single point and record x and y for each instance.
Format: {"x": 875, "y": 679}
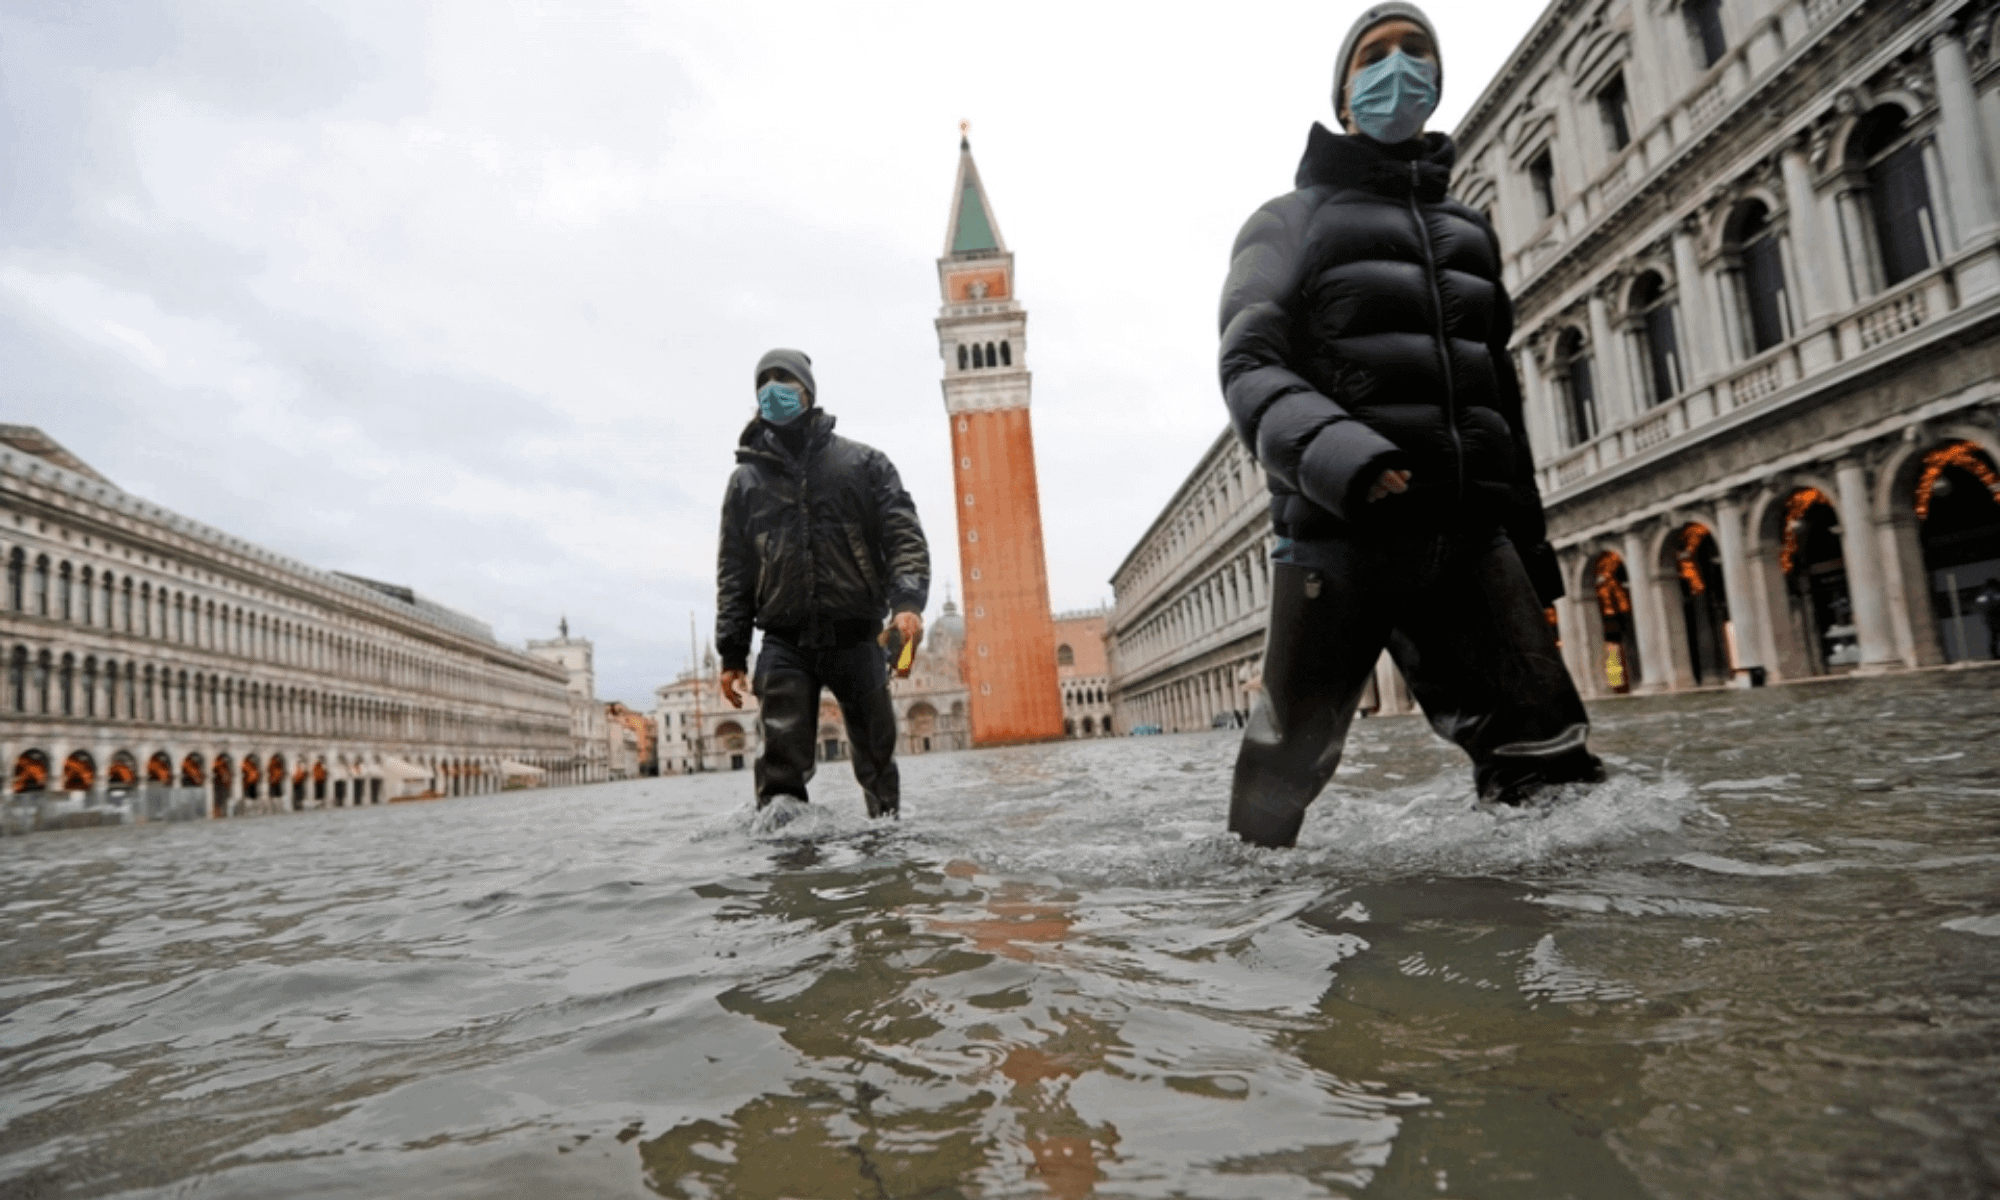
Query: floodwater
{"x": 1762, "y": 961}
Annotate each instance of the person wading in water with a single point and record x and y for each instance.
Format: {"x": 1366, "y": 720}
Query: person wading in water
{"x": 1364, "y": 361}
{"x": 819, "y": 542}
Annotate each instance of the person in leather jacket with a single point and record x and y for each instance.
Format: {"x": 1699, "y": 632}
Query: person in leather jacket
{"x": 1364, "y": 362}
{"x": 819, "y": 542}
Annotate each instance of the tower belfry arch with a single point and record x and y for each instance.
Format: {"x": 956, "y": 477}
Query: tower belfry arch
{"x": 1010, "y": 656}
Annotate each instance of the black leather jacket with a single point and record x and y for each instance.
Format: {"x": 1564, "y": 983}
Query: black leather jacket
{"x": 1365, "y": 328}
{"x": 813, "y": 539}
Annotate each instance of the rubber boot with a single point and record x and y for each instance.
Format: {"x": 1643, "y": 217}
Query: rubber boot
{"x": 871, "y": 730}
{"x": 1481, "y": 660}
{"x": 1319, "y": 651}
{"x": 788, "y": 707}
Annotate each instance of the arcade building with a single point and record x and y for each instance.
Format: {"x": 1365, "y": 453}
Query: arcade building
{"x": 150, "y": 657}
{"x": 1754, "y": 251}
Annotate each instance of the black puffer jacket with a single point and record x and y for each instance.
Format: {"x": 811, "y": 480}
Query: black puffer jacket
{"x": 1365, "y": 328}
{"x": 823, "y": 536}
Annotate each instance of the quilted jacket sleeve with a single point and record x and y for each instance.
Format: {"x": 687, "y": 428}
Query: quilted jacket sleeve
{"x": 904, "y": 550}
{"x": 1307, "y": 440}
{"x": 735, "y": 582}
{"x": 1526, "y": 523}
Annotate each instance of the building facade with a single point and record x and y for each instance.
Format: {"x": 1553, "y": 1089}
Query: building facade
{"x": 1754, "y": 250}
{"x": 591, "y": 736}
{"x": 698, "y": 730}
{"x": 983, "y": 338}
{"x": 642, "y": 756}
{"x": 933, "y": 705}
{"x": 1083, "y": 671}
{"x": 146, "y": 651}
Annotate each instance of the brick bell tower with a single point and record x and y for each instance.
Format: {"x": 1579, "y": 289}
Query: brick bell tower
{"x": 1010, "y": 641}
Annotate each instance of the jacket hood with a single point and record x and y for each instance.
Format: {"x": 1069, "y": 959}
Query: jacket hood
{"x": 1353, "y": 161}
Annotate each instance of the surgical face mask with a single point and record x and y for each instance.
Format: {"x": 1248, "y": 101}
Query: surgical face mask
{"x": 1393, "y": 97}
{"x": 779, "y": 403}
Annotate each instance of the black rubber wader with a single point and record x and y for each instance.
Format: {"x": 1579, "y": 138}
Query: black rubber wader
{"x": 1460, "y": 618}
{"x": 788, "y": 682}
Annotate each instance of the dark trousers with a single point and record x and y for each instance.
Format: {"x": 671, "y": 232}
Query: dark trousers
{"x": 1459, "y": 617}
{"x": 788, "y": 681}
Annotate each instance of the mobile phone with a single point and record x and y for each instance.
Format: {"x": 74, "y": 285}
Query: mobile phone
{"x": 900, "y": 653}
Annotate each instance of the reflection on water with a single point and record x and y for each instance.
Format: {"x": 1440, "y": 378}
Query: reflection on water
{"x": 1760, "y": 961}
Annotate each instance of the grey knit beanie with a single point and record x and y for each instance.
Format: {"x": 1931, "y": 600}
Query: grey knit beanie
{"x": 798, "y": 362}
{"x": 1375, "y": 14}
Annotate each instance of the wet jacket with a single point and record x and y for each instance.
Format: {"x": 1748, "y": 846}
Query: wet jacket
{"x": 815, "y": 543}
{"x": 1364, "y": 329}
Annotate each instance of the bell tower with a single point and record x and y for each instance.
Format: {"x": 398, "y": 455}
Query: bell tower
{"x": 1010, "y": 641}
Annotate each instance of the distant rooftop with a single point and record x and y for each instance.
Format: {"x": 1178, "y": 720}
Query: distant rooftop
{"x": 41, "y": 445}
{"x": 77, "y": 477}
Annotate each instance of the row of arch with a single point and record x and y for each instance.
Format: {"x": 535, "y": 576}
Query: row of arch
{"x": 54, "y": 683}
{"x": 1088, "y": 726}
{"x": 1947, "y": 528}
{"x": 1888, "y": 233}
{"x": 975, "y": 356}
{"x": 258, "y": 781}
{"x": 1076, "y": 696}
{"x": 1240, "y": 586}
{"x": 82, "y": 594}
{"x": 1221, "y": 495}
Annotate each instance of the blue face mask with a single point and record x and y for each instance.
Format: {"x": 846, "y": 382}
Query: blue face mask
{"x": 1393, "y": 97}
{"x": 779, "y": 403}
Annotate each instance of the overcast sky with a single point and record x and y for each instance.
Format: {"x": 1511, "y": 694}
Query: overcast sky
{"x": 467, "y": 296}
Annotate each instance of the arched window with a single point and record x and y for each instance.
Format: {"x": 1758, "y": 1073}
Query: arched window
{"x": 17, "y": 580}
{"x": 90, "y": 686}
{"x": 41, "y": 585}
{"x": 1653, "y": 322}
{"x": 1579, "y": 389}
{"x": 125, "y": 600}
{"x": 110, "y": 690}
{"x": 65, "y": 593}
{"x": 88, "y": 581}
{"x": 1006, "y": 355}
{"x": 978, "y": 356}
{"x": 180, "y": 617}
{"x": 1065, "y": 657}
{"x": 17, "y": 680}
{"x": 1889, "y": 160}
{"x": 66, "y": 685}
{"x": 990, "y": 359}
{"x": 1704, "y": 25}
{"x": 961, "y": 356}
{"x": 110, "y": 599}
{"x": 44, "y": 667}
{"x": 1760, "y": 277}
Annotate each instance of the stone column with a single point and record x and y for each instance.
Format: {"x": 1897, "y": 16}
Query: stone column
{"x": 1861, "y": 550}
{"x": 1969, "y": 178}
{"x": 1569, "y": 628}
{"x": 1704, "y": 349}
{"x": 1656, "y": 657}
{"x": 1810, "y": 246}
{"x": 1614, "y": 382}
{"x": 1745, "y": 618}
{"x": 1541, "y": 410}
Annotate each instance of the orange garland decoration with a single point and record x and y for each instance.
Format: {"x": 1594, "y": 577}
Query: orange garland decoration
{"x": 1966, "y": 457}
{"x": 1692, "y": 537}
{"x": 1612, "y": 598}
{"x": 1795, "y": 513}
